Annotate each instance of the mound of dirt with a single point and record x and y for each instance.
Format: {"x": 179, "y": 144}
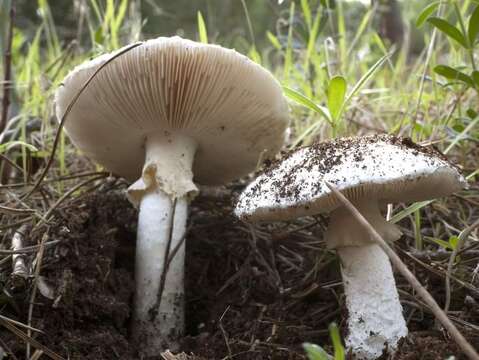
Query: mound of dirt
{"x": 251, "y": 292}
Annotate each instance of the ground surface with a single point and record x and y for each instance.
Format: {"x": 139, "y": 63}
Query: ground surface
{"x": 251, "y": 292}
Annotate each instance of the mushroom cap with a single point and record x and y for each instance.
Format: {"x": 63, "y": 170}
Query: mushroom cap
{"x": 381, "y": 168}
{"x": 232, "y": 107}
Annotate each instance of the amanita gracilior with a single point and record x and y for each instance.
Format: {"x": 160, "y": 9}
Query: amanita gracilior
{"x": 167, "y": 114}
{"x": 370, "y": 171}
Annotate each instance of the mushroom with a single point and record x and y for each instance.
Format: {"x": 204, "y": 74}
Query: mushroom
{"x": 370, "y": 171}
{"x": 168, "y": 114}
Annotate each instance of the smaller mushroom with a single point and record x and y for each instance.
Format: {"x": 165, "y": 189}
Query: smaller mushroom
{"x": 370, "y": 171}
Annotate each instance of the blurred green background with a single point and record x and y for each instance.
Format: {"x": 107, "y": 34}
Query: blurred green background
{"x": 226, "y": 20}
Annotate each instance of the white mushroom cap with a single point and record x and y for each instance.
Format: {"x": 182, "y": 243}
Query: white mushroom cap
{"x": 230, "y": 106}
{"x": 382, "y": 168}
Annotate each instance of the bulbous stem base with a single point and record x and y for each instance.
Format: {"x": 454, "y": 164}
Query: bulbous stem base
{"x": 375, "y": 318}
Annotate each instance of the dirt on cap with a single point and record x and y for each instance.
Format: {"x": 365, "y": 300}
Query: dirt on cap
{"x": 284, "y": 181}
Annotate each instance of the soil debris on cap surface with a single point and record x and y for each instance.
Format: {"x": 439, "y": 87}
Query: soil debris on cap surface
{"x": 331, "y": 150}
{"x": 361, "y": 166}
{"x": 252, "y": 292}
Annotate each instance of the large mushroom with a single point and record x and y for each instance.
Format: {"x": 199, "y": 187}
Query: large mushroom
{"x": 168, "y": 114}
{"x": 369, "y": 171}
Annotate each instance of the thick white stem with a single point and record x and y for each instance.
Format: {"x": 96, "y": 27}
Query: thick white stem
{"x": 158, "y": 318}
{"x": 375, "y": 319}
{"x": 158, "y": 322}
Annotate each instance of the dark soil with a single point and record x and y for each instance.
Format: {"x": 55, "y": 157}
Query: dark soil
{"x": 251, "y": 292}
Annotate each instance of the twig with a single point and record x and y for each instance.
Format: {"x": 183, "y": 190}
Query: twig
{"x": 65, "y": 115}
{"x": 15, "y": 224}
{"x": 8, "y": 351}
{"x": 34, "y": 289}
{"x": 17, "y": 323}
{"x": 177, "y": 247}
{"x": 8, "y": 71}
{"x": 56, "y": 179}
{"x": 64, "y": 197}
{"x": 460, "y": 340}
{"x": 434, "y": 255}
{"x": 11, "y": 163}
{"x": 439, "y": 272}
{"x": 10, "y": 210}
{"x": 236, "y": 275}
{"x": 461, "y": 238}
{"x": 37, "y": 354}
{"x": 30, "y": 340}
{"x": 28, "y": 249}
{"x": 225, "y": 335}
{"x": 423, "y": 77}
{"x": 19, "y": 269}
{"x": 154, "y": 311}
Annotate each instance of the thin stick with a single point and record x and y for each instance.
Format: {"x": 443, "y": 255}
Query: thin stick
{"x": 64, "y": 197}
{"x": 28, "y": 249}
{"x": 37, "y": 354}
{"x": 67, "y": 111}
{"x": 34, "y": 290}
{"x": 17, "y": 323}
{"x": 15, "y": 224}
{"x": 423, "y": 77}
{"x": 11, "y": 163}
{"x": 8, "y": 71}
{"x": 225, "y": 335}
{"x": 10, "y": 210}
{"x": 7, "y": 350}
{"x": 166, "y": 262}
{"x": 55, "y": 179}
{"x": 463, "y": 344}
{"x": 30, "y": 340}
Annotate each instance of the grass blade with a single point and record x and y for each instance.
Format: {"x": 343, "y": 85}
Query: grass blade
{"x": 336, "y": 93}
{"x": 315, "y": 352}
{"x": 426, "y": 13}
{"x": 273, "y": 40}
{"x": 288, "y": 57}
{"x": 461, "y": 136}
{"x": 306, "y": 13}
{"x": 342, "y": 36}
{"x": 202, "y": 33}
{"x": 313, "y": 35}
{"x": 366, "y": 77}
{"x": 336, "y": 339}
{"x": 307, "y": 102}
{"x": 473, "y": 28}
{"x": 409, "y": 210}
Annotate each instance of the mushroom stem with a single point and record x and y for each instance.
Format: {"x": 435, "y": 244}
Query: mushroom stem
{"x": 375, "y": 318}
{"x": 158, "y": 318}
{"x": 158, "y": 322}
